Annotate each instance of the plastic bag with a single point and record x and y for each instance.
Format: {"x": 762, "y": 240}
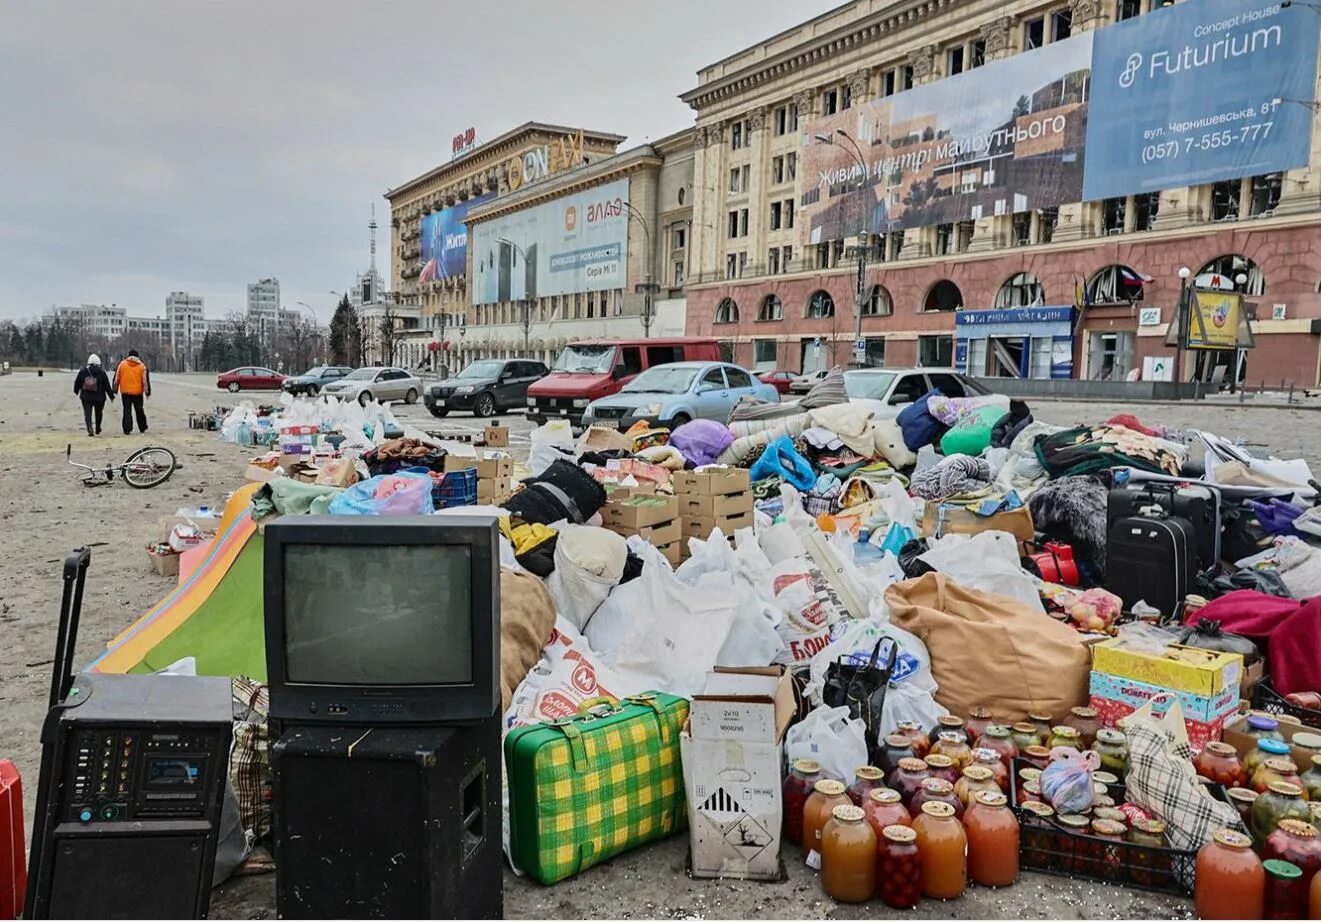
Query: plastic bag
{"x": 550, "y": 441}
{"x": 1067, "y": 782}
{"x": 701, "y": 441}
{"x": 589, "y": 562}
{"x": 404, "y": 493}
{"x": 1145, "y": 638}
{"x": 1206, "y": 634}
{"x": 782, "y": 460}
{"x": 987, "y": 561}
{"x": 832, "y": 738}
{"x": 568, "y": 674}
{"x": 753, "y": 638}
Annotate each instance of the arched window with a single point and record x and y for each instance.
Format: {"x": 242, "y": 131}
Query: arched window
{"x": 1022, "y": 290}
{"x": 727, "y": 311}
{"x": 771, "y": 309}
{"x": 1116, "y": 284}
{"x": 1225, "y": 272}
{"x": 820, "y": 304}
{"x": 944, "y": 296}
{"x": 878, "y": 302}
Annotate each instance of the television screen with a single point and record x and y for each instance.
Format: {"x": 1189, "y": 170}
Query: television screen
{"x": 347, "y": 624}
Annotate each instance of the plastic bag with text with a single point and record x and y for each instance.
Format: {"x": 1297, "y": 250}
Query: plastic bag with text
{"x": 568, "y": 674}
{"x": 832, "y": 738}
{"x": 809, "y": 609}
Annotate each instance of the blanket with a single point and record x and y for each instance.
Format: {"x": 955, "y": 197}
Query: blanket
{"x": 1292, "y": 630}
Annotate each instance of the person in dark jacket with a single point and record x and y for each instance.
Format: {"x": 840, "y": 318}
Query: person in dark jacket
{"x": 92, "y": 386}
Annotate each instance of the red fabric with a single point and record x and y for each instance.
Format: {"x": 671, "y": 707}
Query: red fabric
{"x": 1128, "y": 421}
{"x": 1291, "y": 628}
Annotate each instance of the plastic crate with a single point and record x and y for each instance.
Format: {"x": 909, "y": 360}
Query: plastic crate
{"x": 455, "y": 488}
{"x": 1266, "y": 699}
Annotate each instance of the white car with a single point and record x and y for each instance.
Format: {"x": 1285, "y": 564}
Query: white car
{"x": 379, "y": 383}
{"x": 885, "y": 392}
{"x": 801, "y": 384}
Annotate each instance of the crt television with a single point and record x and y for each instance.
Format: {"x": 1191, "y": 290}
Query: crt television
{"x": 375, "y": 620}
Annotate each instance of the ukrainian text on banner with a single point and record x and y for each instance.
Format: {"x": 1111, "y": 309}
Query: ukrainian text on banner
{"x": 1003, "y": 138}
{"x": 444, "y": 240}
{"x": 1200, "y": 92}
{"x": 574, "y": 244}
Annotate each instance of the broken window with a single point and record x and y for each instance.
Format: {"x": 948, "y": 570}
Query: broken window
{"x": 1145, "y": 208}
{"x": 1265, "y": 192}
{"x": 1022, "y": 231}
{"x": 1061, "y": 25}
{"x": 1034, "y": 33}
{"x": 1128, "y": 9}
{"x": 1113, "y": 214}
{"x": 954, "y": 60}
{"x": 776, "y": 210}
{"x": 1225, "y": 200}
{"x": 830, "y": 102}
{"x": 977, "y": 56}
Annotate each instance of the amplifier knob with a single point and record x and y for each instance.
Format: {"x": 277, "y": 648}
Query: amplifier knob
{"x": 110, "y": 812}
{"x": 85, "y": 815}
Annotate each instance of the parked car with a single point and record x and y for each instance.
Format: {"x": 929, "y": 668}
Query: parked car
{"x": 249, "y": 378}
{"x": 887, "y": 391}
{"x": 591, "y": 369}
{"x": 801, "y": 384}
{"x": 313, "y": 380}
{"x": 381, "y": 383}
{"x": 486, "y": 387}
{"x": 677, "y": 392}
{"x": 779, "y": 379}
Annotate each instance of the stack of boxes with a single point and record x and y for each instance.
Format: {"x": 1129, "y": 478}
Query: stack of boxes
{"x": 495, "y": 483}
{"x": 296, "y": 444}
{"x": 1205, "y": 683}
{"x": 643, "y": 512}
{"x": 713, "y": 498}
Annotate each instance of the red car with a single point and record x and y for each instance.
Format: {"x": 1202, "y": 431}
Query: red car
{"x": 249, "y": 378}
{"x": 778, "y": 379}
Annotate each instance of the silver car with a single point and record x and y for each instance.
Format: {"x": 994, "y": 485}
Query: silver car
{"x": 379, "y": 383}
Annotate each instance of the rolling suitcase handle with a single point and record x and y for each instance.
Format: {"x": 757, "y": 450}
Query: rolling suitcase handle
{"x": 71, "y": 607}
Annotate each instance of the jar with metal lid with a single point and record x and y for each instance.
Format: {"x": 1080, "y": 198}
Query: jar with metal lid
{"x": 1000, "y": 739}
{"x": 1112, "y": 747}
{"x": 1077, "y": 855}
{"x": 1109, "y": 813}
{"x": 989, "y": 759}
{"x": 908, "y": 777}
{"x": 1277, "y": 769}
{"x": 897, "y": 747}
{"x": 947, "y": 724}
{"x": 918, "y": 737}
{"x": 1062, "y": 735}
{"x": 796, "y": 790}
{"x": 1028, "y": 774}
{"x": 827, "y": 795}
{"x": 955, "y": 746}
{"x": 1281, "y": 801}
{"x": 1307, "y": 742}
{"x": 865, "y": 778}
{"x": 993, "y": 838}
{"x": 848, "y": 856}
{"x": 1037, "y": 756}
{"x": 1106, "y": 778}
{"x": 1218, "y": 762}
{"x": 1295, "y": 841}
{"x": 884, "y": 808}
{"x": 975, "y": 779}
{"x": 1043, "y": 724}
{"x": 979, "y": 719}
{"x": 1147, "y": 831}
{"x": 1312, "y": 780}
{"x": 898, "y": 868}
{"x": 1147, "y": 836}
{"x": 1025, "y": 734}
{"x": 942, "y": 767}
{"x": 935, "y": 790}
{"x": 1085, "y": 721}
{"x": 1192, "y": 603}
{"x": 1265, "y": 749}
{"x": 1242, "y": 800}
{"x": 942, "y": 849}
{"x": 1230, "y": 883}
{"x": 1029, "y": 791}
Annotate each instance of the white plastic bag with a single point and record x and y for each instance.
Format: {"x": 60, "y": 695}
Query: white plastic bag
{"x": 753, "y": 639}
{"x": 588, "y": 564}
{"x": 551, "y": 440}
{"x": 832, "y": 738}
{"x": 568, "y": 674}
{"x": 987, "y": 561}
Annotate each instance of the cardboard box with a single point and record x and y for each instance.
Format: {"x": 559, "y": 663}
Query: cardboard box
{"x": 289, "y": 459}
{"x": 673, "y": 552}
{"x": 660, "y": 534}
{"x": 494, "y": 488}
{"x": 487, "y": 468}
{"x": 638, "y": 512}
{"x": 614, "y": 491}
{"x": 1200, "y": 733}
{"x": 167, "y": 565}
{"x": 1236, "y": 735}
{"x": 496, "y": 436}
{"x": 732, "y": 751}
{"x": 700, "y": 505}
{"x": 1251, "y": 676}
{"x": 303, "y": 430}
{"x": 712, "y": 482}
{"x": 259, "y": 475}
{"x": 1183, "y": 669}
{"x": 1136, "y": 693}
{"x": 702, "y": 526}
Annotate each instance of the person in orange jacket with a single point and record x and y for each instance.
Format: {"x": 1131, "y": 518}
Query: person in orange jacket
{"x": 133, "y": 385}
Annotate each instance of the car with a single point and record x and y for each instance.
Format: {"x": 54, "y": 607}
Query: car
{"x": 677, "y": 392}
{"x": 780, "y": 379}
{"x": 887, "y": 391}
{"x": 486, "y": 387}
{"x": 377, "y": 382}
{"x": 314, "y": 379}
{"x": 249, "y": 378}
{"x": 801, "y": 384}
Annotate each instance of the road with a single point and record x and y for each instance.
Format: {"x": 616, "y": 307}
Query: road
{"x": 45, "y": 513}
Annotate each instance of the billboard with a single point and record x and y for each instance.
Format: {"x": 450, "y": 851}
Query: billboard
{"x": 573, "y": 244}
{"x": 1216, "y": 320}
{"x": 444, "y": 240}
{"x": 1006, "y": 137}
{"x": 1200, "y": 92}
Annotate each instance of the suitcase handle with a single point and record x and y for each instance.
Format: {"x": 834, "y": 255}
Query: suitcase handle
{"x": 71, "y": 607}
{"x": 588, "y": 705}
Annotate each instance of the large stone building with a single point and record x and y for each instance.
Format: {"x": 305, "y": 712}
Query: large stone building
{"x": 780, "y": 211}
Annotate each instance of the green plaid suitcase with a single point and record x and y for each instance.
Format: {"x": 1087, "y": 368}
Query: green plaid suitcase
{"x": 586, "y": 788}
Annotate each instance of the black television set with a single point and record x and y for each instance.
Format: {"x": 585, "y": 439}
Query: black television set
{"x": 382, "y": 620}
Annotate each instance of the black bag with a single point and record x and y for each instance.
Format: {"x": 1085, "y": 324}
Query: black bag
{"x": 1151, "y": 558}
{"x": 1222, "y": 579}
{"x": 1198, "y": 504}
{"x": 1207, "y": 635}
{"x": 862, "y": 689}
{"x": 908, "y": 558}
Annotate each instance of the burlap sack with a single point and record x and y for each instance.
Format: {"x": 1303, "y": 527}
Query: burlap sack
{"x": 527, "y": 618}
{"x": 992, "y": 650}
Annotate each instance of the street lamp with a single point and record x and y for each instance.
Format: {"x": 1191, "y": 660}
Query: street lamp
{"x": 1181, "y": 323}
{"x": 861, "y": 296}
{"x": 649, "y": 286}
{"x": 527, "y": 302}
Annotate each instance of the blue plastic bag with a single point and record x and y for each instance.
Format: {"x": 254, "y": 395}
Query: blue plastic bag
{"x": 782, "y": 460}
{"x": 404, "y": 493}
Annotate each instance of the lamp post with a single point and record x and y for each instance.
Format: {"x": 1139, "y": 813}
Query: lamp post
{"x": 1181, "y": 323}
{"x": 860, "y": 297}
{"x": 527, "y": 306}
{"x": 648, "y": 287}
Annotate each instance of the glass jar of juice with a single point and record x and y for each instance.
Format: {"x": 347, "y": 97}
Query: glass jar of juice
{"x": 884, "y": 808}
{"x": 865, "y": 779}
{"x": 1286, "y": 891}
{"x": 989, "y": 759}
{"x": 1230, "y": 882}
{"x": 1112, "y": 746}
{"x": 1029, "y": 791}
{"x": 1086, "y": 722}
{"x": 1043, "y": 724}
{"x": 935, "y": 790}
{"x": 827, "y": 795}
{"x": 979, "y": 719}
{"x": 1218, "y": 762}
{"x": 942, "y": 767}
{"x": 1147, "y": 864}
{"x": 1025, "y": 734}
{"x": 1037, "y": 756}
{"x": 953, "y": 745}
{"x": 1242, "y": 799}
{"x": 1281, "y": 801}
{"x": 1314, "y": 899}
{"x": 907, "y": 779}
{"x": 918, "y": 737}
{"x": 1295, "y": 841}
{"x": 948, "y": 724}
{"x": 796, "y": 790}
{"x": 898, "y": 868}
{"x": 992, "y": 831}
{"x": 848, "y": 856}
{"x": 942, "y": 850}
{"x": 1312, "y": 780}
{"x": 975, "y": 779}
{"x": 1062, "y": 735}
{"x": 999, "y": 738}
{"x": 1277, "y": 769}
{"x": 897, "y": 747}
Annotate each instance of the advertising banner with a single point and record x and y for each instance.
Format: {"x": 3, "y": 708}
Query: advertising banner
{"x": 1215, "y": 320}
{"x": 1006, "y": 137}
{"x": 1200, "y": 92}
{"x": 444, "y": 240}
{"x": 577, "y": 243}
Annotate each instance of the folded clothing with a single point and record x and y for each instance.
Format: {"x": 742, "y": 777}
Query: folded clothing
{"x": 958, "y": 474}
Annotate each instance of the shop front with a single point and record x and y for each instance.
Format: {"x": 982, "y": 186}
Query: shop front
{"x": 1035, "y": 343}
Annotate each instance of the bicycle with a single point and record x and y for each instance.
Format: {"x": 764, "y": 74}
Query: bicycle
{"x": 147, "y": 467}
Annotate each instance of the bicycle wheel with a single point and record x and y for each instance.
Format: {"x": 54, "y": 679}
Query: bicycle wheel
{"x": 149, "y": 467}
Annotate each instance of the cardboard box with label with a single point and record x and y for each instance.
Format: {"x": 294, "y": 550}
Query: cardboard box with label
{"x": 712, "y": 482}
{"x": 1182, "y": 669}
{"x": 732, "y": 750}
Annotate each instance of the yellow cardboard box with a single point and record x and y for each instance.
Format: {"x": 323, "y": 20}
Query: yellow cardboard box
{"x": 1186, "y": 669}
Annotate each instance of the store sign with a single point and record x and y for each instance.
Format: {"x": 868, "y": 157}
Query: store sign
{"x": 1149, "y": 317}
{"x": 1053, "y": 315}
{"x": 540, "y": 162}
{"x": 464, "y": 142}
{"x": 1217, "y": 321}
{"x": 1279, "y": 312}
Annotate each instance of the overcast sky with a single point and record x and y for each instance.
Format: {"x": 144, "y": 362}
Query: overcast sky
{"x": 154, "y": 145}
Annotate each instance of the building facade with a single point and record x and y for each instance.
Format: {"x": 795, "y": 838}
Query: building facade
{"x": 185, "y": 326}
{"x": 811, "y": 153}
{"x": 264, "y": 303}
{"x": 103, "y": 321}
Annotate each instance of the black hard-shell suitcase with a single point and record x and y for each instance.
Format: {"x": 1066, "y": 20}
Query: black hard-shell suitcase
{"x": 1198, "y": 504}
{"x": 1151, "y": 558}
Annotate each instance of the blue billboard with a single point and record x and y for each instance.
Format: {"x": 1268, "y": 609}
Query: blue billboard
{"x": 1200, "y": 92}
{"x": 444, "y": 240}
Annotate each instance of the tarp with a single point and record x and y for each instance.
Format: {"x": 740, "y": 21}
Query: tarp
{"x": 214, "y": 615}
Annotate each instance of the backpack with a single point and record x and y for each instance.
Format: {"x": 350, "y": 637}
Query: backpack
{"x": 91, "y": 384}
